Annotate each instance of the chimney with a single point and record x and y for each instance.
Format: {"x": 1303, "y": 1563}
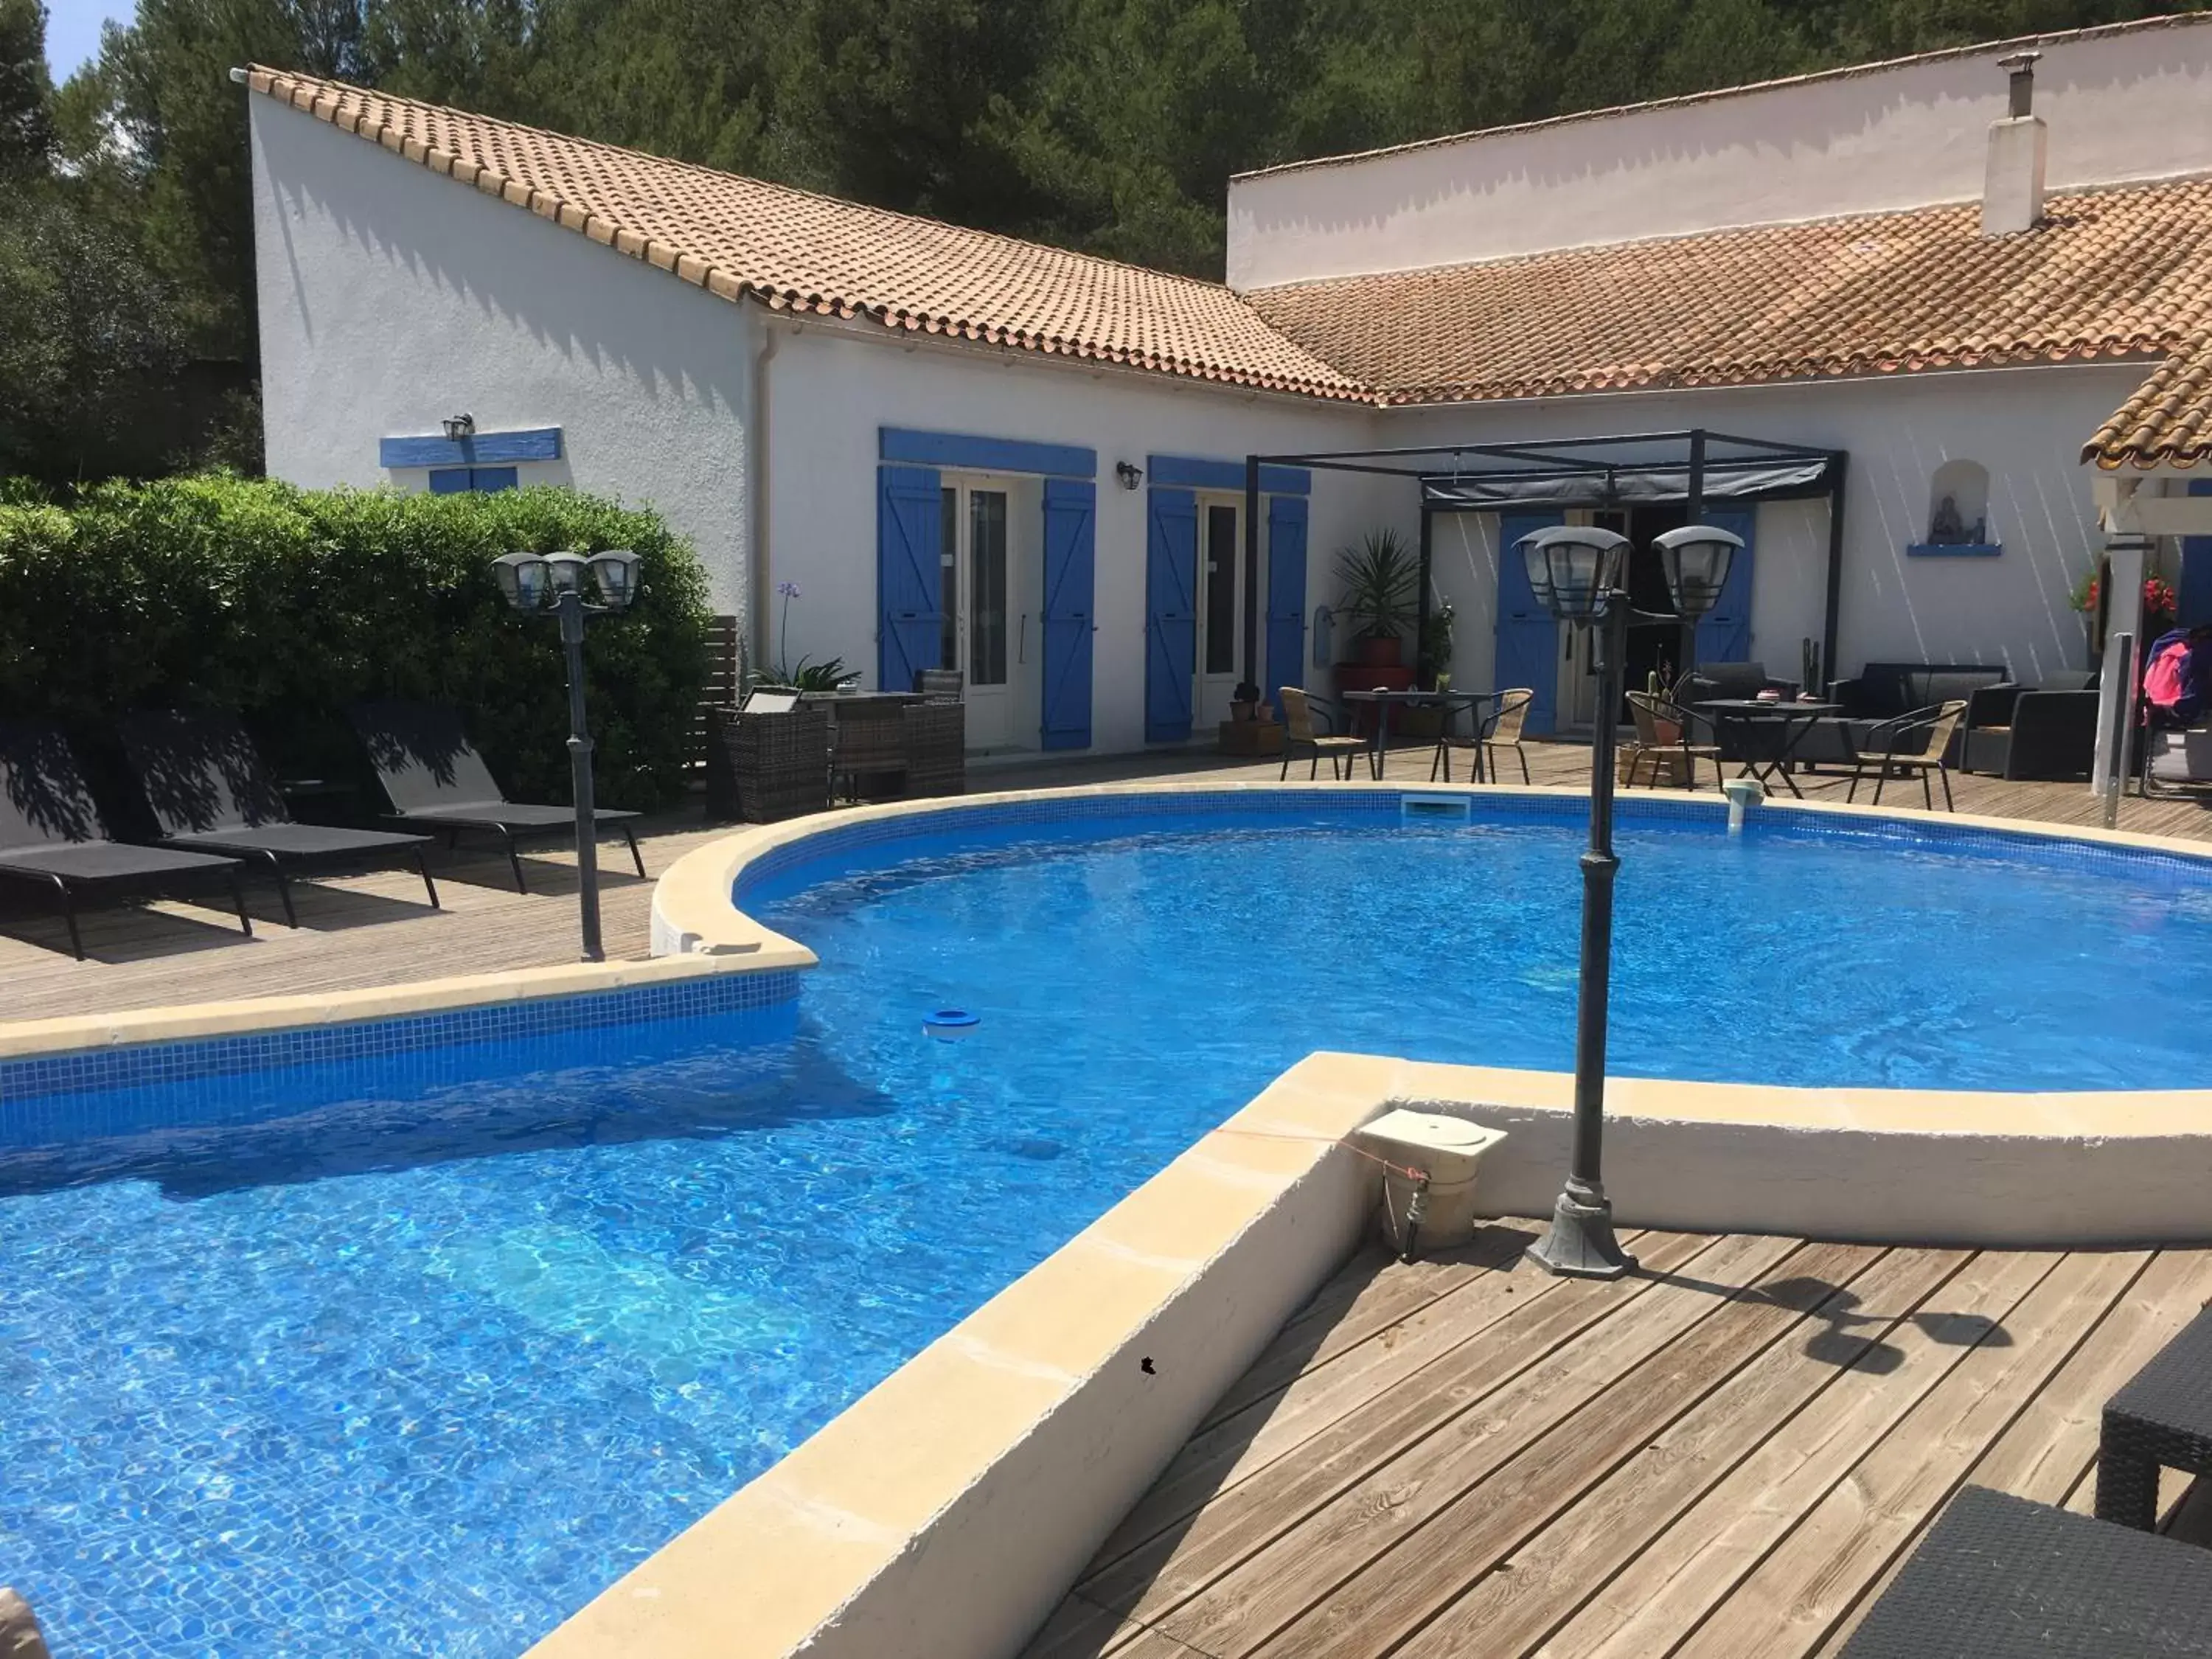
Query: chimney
{"x": 2012, "y": 190}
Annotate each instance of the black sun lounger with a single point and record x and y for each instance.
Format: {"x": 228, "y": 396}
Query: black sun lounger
{"x": 210, "y": 793}
{"x": 435, "y": 779}
{"x": 51, "y": 833}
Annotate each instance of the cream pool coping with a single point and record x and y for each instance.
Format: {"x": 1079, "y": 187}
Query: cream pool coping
{"x": 943, "y": 1515}
{"x": 32, "y": 1039}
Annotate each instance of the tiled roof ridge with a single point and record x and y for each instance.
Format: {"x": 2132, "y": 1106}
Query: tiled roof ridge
{"x": 799, "y": 193}
{"x": 1869, "y": 216}
{"x": 1842, "y": 72}
{"x": 325, "y": 99}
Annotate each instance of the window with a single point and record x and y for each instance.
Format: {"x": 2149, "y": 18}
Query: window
{"x": 986, "y": 580}
{"x": 1221, "y": 590}
{"x": 471, "y": 480}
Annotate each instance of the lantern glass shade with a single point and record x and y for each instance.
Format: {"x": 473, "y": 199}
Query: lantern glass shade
{"x": 521, "y": 578}
{"x": 616, "y": 572}
{"x": 1697, "y": 558}
{"x": 1574, "y": 569}
{"x": 566, "y": 571}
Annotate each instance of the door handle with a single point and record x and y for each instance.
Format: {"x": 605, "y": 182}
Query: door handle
{"x": 1022, "y": 648}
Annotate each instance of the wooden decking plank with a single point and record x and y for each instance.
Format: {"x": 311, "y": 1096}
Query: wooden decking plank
{"x": 1392, "y": 1296}
{"x": 1242, "y": 1608}
{"x": 1215, "y": 1459}
{"x": 1164, "y": 1573}
{"x": 1690, "y": 1568}
{"x": 1509, "y": 1611}
{"x": 1791, "y": 1602}
{"x": 2053, "y": 1445}
{"x": 1396, "y": 1597}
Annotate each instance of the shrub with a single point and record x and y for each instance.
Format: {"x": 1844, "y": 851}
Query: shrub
{"x": 285, "y": 605}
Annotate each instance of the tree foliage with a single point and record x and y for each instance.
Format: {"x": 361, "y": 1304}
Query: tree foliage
{"x": 1108, "y": 126}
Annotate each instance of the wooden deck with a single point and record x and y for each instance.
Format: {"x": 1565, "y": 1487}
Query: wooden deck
{"x": 1726, "y": 1453}
{"x": 374, "y": 929}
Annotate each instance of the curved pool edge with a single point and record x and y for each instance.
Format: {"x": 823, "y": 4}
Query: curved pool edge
{"x": 695, "y": 903}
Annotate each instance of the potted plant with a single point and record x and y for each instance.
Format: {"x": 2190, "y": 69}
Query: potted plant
{"x": 1378, "y": 582}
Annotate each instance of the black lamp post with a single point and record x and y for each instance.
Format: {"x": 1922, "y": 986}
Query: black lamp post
{"x": 529, "y": 580}
{"x": 1579, "y": 575}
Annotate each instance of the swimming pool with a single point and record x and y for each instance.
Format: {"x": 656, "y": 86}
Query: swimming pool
{"x": 322, "y": 1356}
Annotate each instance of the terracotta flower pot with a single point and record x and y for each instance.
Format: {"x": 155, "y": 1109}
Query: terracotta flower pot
{"x": 1380, "y": 651}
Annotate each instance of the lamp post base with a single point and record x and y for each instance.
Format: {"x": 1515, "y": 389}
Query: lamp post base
{"x": 1581, "y": 1244}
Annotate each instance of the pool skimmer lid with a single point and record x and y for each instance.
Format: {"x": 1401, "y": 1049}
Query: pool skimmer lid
{"x": 949, "y": 1024}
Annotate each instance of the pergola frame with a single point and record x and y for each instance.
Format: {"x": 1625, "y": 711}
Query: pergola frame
{"x": 1585, "y": 471}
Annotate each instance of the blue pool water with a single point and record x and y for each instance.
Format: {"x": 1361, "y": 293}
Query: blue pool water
{"x": 420, "y": 1369}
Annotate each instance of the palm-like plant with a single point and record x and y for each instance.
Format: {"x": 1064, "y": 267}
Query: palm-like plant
{"x": 1380, "y": 579}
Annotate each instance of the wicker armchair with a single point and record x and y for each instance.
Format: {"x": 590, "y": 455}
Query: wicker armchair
{"x": 763, "y": 766}
{"x": 936, "y": 748}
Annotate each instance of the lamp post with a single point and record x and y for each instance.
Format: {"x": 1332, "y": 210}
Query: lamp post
{"x": 1578, "y": 574}
{"x": 529, "y": 581}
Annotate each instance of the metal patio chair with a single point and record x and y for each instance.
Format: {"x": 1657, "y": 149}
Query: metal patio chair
{"x": 1663, "y": 734}
{"x": 1910, "y": 746}
{"x": 1299, "y": 735}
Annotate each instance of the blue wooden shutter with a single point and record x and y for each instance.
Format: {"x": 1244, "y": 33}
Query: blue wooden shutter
{"x": 909, "y": 590}
{"x": 1527, "y": 639}
{"x": 449, "y": 480}
{"x": 1071, "y": 519}
{"x": 466, "y": 480}
{"x": 2195, "y": 596}
{"x": 1170, "y": 614}
{"x": 1286, "y": 595}
{"x": 1724, "y": 633}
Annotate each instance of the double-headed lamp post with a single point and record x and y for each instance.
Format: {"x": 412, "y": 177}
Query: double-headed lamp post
{"x": 530, "y": 581}
{"x": 1579, "y": 573}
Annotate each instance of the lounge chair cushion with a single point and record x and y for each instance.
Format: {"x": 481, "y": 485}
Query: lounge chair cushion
{"x": 513, "y": 815}
{"x": 300, "y": 840}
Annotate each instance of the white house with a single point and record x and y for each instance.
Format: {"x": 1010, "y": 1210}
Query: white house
{"x": 1930, "y": 334}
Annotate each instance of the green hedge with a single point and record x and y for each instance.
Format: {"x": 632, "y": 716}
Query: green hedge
{"x": 285, "y": 605}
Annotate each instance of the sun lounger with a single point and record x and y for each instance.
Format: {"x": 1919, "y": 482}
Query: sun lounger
{"x": 52, "y": 834}
{"x": 210, "y": 793}
{"x": 435, "y": 779}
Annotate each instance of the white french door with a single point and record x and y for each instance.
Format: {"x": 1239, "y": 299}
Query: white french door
{"x": 1221, "y": 608}
{"x": 986, "y": 626}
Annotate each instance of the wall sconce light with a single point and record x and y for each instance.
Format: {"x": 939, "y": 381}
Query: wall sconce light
{"x": 459, "y": 427}
{"x": 1129, "y": 473}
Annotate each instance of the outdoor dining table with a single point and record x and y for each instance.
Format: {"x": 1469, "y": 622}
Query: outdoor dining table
{"x": 1450, "y": 702}
{"x": 1770, "y": 757}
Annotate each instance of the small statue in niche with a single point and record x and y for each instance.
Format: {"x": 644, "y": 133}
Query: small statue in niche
{"x": 1946, "y": 528}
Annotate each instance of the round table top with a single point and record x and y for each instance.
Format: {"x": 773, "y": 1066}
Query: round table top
{"x": 1417, "y": 696}
{"x": 1782, "y": 706}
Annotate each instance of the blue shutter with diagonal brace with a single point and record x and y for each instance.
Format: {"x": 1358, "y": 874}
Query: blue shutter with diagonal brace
{"x": 909, "y": 593}
{"x": 1527, "y": 639}
{"x": 1724, "y": 632}
{"x": 1170, "y": 614}
{"x": 1071, "y": 518}
{"x": 1286, "y": 596}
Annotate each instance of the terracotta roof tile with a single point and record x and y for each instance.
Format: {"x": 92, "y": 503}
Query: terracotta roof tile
{"x": 801, "y": 251}
{"x": 2116, "y": 272}
{"x": 2167, "y": 423}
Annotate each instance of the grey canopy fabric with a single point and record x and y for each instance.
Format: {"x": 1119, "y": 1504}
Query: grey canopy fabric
{"x": 1723, "y": 481}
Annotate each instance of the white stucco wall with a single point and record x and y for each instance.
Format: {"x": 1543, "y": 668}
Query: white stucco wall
{"x": 2127, "y": 103}
{"x": 832, "y": 390}
{"x": 2026, "y": 426}
{"x": 391, "y": 297}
